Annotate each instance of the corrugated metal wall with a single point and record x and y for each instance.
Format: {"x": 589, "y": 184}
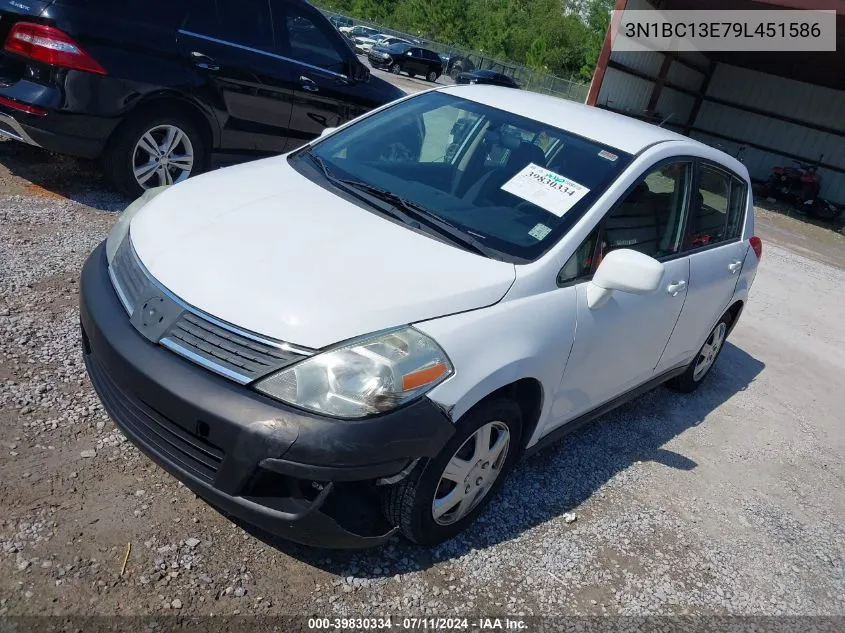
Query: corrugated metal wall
{"x": 628, "y": 93}
{"x": 796, "y": 100}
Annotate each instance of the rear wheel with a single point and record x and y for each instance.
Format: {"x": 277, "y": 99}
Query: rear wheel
{"x": 154, "y": 149}
{"x": 703, "y": 362}
{"x": 432, "y": 76}
{"x": 444, "y": 495}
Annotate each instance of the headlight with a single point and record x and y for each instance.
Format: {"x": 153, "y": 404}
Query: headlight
{"x": 370, "y": 376}
{"x": 121, "y": 227}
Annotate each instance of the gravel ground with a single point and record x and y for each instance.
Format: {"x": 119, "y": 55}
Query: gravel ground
{"x": 728, "y": 501}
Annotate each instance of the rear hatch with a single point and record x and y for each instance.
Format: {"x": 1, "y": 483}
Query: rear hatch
{"x": 12, "y": 67}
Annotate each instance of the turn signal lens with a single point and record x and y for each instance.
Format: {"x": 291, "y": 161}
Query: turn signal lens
{"x": 423, "y": 377}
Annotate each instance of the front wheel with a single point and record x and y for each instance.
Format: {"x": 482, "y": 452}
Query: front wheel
{"x": 152, "y": 150}
{"x": 432, "y": 76}
{"x": 703, "y": 362}
{"x": 395, "y": 69}
{"x": 444, "y": 495}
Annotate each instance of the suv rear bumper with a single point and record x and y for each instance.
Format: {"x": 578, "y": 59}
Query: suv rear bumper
{"x": 65, "y": 131}
{"x": 283, "y": 470}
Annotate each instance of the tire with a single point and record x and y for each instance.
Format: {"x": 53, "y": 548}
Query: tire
{"x": 696, "y": 372}
{"x": 409, "y": 504}
{"x": 432, "y": 76}
{"x": 395, "y": 69}
{"x": 124, "y": 153}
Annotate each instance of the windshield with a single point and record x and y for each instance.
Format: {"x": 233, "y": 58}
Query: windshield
{"x": 510, "y": 183}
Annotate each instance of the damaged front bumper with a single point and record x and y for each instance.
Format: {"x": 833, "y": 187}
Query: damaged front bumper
{"x": 301, "y": 476}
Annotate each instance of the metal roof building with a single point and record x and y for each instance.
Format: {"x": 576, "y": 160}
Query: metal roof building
{"x": 781, "y": 106}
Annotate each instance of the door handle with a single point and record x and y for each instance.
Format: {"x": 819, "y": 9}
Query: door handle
{"x": 309, "y": 84}
{"x": 676, "y": 288}
{"x": 201, "y": 60}
{"x": 735, "y": 266}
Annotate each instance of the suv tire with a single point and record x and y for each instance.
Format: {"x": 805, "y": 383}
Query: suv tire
{"x": 410, "y": 504}
{"x": 125, "y": 153}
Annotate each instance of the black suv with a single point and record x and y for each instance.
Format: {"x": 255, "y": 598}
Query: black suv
{"x": 162, "y": 89}
{"x": 407, "y": 58}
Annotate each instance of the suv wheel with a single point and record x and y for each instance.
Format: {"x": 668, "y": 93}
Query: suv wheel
{"x": 395, "y": 69}
{"x": 432, "y": 76}
{"x": 442, "y": 496}
{"x": 152, "y": 150}
{"x": 703, "y": 362}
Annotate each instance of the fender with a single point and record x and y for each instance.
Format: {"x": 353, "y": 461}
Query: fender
{"x": 490, "y": 348}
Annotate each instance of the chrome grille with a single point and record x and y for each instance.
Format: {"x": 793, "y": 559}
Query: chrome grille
{"x": 222, "y": 348}
{"x": 230, "y": 350}
{"x": 128, "y": 276}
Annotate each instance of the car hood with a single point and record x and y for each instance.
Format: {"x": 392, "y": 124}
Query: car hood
{"x": 263, "y": 247}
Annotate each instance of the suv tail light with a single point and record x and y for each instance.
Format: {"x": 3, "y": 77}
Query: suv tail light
{"x": 51, "y": 46}
{"x": 757, "y": 246}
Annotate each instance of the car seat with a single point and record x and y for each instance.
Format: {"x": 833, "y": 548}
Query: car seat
{"x": 487, "y": 191}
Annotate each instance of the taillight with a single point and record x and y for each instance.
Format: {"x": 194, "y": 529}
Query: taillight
{"x": 51, "y": 46}
{"x": 756, "y": 246}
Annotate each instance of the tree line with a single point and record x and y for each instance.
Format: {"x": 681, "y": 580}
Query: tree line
{"x": 562, "y": 37}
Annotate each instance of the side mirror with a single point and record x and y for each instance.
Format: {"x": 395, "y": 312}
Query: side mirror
{"x": 358, "y": 72}
{"x": 409, "y": 54}
{"x": 326, "y": 131}
{"x": 624, "y": 270}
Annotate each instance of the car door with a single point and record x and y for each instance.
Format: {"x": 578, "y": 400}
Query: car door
{"x": 323, "y": 92}
{"x": 229, "y": 43}
{"x": 418, "y": 64}
{"x": 618, "y": 345}
{"x": 716, "y": 253}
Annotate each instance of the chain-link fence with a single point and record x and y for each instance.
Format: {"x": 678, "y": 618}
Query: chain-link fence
{"x": 457, "y": 60}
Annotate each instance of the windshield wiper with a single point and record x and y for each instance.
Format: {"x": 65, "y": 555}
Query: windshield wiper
{"x": 413, "y": 213}
{"x": 321, "y": 164}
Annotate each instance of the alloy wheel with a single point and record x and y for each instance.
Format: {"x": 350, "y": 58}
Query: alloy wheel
{"x": 470, "y": 473}
{"x": 709, "y": 352}
{"x": 432, "y": 76}
{"x": 164, "y": 155}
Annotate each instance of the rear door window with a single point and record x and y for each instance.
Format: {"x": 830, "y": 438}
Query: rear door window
{"x": 718, "y": 208}
{"x": 243, "y": 22}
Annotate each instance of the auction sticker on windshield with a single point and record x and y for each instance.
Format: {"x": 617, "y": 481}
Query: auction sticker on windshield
{"x": 550, "y": 191}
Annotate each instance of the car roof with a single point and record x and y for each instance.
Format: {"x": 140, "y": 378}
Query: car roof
{"x": 602, "y": 126}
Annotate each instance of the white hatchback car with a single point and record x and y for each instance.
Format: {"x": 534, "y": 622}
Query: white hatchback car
{"x": 364, "y": 335}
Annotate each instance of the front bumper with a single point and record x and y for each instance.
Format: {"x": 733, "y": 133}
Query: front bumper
{"x": 286, "y": 471}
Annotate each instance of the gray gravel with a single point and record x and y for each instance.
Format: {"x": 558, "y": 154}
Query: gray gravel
{"x": 727, "y": 501}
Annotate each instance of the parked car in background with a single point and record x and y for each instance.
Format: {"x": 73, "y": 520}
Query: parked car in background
{"x": 390, "y": 40}
{"x": 359, "y": 30}
{"x": 161, "y": 89}
{"x": 406, "y": 58}
{"x": 563, "y": 261}
{"x": 340, "y": 22}
{"x": 488, "y": 77}
{"x": 455, "y": 63}
{"x": 364, "y": 44}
